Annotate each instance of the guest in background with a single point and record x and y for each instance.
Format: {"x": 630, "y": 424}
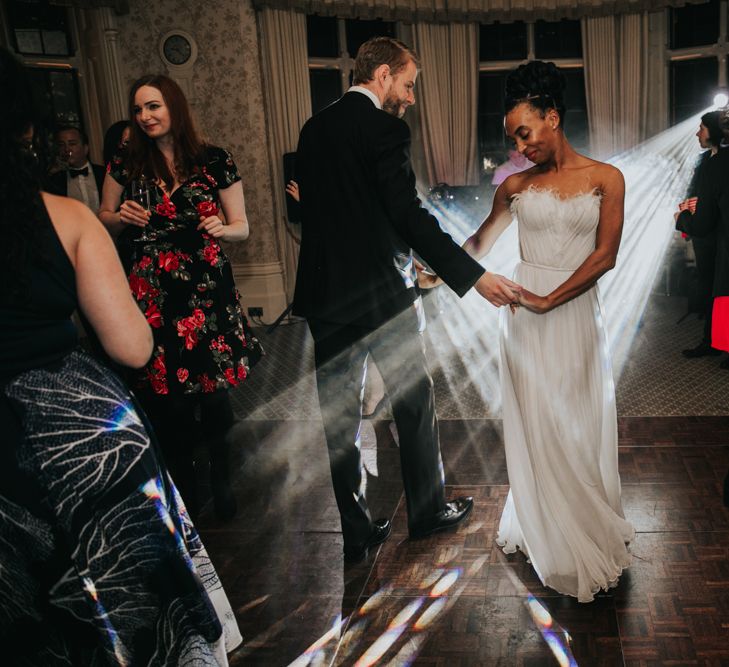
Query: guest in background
{"x": 515, "y": 164}
{"x": 182, "y": 279}
{"x": 116, "y": 139}
{"x": 78, "y": 178}
{"x": 710, "y": 137}
{"x": 712, "y": 217}
{"x": 99, "y": 563}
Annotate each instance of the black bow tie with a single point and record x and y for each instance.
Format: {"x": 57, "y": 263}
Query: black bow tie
{"x": 84, "y": 171}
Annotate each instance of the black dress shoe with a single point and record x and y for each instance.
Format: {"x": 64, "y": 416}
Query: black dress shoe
{"x": 701, "y": 350}
{"x": 381, "y": 529}
{"x": 455, "y": 511}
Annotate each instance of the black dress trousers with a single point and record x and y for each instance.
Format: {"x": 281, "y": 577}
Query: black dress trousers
{"x": 397, "y": 348}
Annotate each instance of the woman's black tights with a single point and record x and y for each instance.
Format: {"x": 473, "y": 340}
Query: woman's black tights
{"x": 179, "y": 430}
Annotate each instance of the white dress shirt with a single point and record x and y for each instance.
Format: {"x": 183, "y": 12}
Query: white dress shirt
{"x": 83, "y": 188}
{"x": 368, "y": 92}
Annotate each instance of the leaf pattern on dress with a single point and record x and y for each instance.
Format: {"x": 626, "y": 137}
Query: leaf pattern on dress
{"x": 132, "y": 569}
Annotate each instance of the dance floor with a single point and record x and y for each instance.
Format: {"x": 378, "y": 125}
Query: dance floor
{"x": 455, "y": 599}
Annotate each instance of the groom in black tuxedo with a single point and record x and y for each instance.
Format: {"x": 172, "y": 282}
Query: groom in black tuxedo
{"x": 357, "y": 288}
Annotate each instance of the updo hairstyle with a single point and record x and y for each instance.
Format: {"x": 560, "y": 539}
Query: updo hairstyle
{"x": 539, "y": 84}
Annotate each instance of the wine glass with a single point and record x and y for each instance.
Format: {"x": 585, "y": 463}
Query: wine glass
{"x": 140, "y": 194}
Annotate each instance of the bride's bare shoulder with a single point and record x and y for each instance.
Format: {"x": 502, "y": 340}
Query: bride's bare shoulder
{"x": 608, "y": 178}
{"x": 517, "y": 182}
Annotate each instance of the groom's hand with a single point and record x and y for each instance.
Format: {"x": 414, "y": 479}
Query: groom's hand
{"x": 497, "y": 290}
{"x": 426, "y": 279}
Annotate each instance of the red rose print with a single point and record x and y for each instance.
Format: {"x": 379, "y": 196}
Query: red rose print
{"x": 242, "y": 372}
{"x": 230, "y": 377}
{"x": 139, "y": 286}
{"x": 198, "y": 317}
{"x": 166, "y": 208}
{"x": 191, "y": 339}
{"x": 144, "y": 262}
{"x": 210, "y": 253}
{"x": 208, "y": 385}
{"x": 220, "y": 344}
{"x": 212, "y": 181}
{"x": 153, "y": 315}
{"x": 168, "y": 261}
{"x": 159, "y": 365}
{"x": 159, "y": 385}
{"x": 182, "y": 374}
{"x": 207, "y": 208}
{"x": 187, "y": 329}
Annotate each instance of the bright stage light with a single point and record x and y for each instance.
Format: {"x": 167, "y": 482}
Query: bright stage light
{"x": 721, "y": 100}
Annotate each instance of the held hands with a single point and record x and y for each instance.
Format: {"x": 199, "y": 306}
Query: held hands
{"x": 132, "y": 213}
{"x": 498, "y": 290}
{"x": 535, "y": 303}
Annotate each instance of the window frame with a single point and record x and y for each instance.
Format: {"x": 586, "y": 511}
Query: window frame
{"x": 73, "y": 63}
{"x": 504, "y": 66}
{"x": 719, "y": 50}
{"x": 344, "y": 62}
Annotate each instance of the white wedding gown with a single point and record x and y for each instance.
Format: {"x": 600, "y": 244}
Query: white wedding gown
{"x": 560, "y": 424}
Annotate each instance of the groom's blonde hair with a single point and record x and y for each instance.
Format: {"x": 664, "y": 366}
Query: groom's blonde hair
{"x": 381, "y": 51}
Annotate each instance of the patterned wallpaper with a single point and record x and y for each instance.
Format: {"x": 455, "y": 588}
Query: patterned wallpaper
{"x": 228, "y": 93}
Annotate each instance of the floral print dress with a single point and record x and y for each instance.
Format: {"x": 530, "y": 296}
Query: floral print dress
{"x": 183, "y": 282}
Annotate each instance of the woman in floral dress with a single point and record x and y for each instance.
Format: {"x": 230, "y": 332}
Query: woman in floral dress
{"x": 182, "y": 279}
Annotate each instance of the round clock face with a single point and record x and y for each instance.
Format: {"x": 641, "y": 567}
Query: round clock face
{"x": 177, "y": 49}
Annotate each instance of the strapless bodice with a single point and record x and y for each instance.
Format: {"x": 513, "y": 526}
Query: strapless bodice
{"x": 556, "y": 232}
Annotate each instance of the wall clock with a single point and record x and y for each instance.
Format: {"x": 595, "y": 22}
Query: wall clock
{"x": 178, "y": 49}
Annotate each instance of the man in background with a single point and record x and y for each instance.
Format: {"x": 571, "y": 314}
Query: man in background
{"x": 78, "y": 178}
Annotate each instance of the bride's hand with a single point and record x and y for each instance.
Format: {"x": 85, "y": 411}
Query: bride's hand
{"x": 535, "y": 303}
{"x": 426, "y": 279}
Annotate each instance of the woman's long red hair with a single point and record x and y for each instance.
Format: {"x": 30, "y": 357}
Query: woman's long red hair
{"x": 144, "y": 158}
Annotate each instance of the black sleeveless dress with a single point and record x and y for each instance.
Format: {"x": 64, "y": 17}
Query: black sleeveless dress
{"x": 100, "y": 563}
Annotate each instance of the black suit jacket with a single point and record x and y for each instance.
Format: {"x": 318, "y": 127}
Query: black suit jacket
{"x": 58, "y": 185}
{"x": 712, "y": 215}
{"x": 361, "y": 219}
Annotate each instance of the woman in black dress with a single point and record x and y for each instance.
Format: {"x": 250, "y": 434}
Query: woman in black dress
{"x": 710, "y": 138}
{"x": 182, "y": 279}
{"x": 99, "y": 562}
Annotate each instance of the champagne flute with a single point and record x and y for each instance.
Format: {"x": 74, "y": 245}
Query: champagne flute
{"x": 140, "y": 194}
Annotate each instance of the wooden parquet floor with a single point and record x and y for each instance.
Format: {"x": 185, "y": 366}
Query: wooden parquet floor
{"x": 455, "y": 599}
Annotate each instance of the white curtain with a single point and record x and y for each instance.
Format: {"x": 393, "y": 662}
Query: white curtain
{"x": 288, "y": 106}
{"x": 447, "y": 94}
{"x": 616, "y": 82}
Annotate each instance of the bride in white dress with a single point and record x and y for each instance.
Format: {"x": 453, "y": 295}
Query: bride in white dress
{"x": 560, "y": 424}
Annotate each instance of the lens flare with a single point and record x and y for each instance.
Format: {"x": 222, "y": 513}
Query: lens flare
{"x": 122, "y": 417}
{"x": 555, "y": 637}
{"x": 120, "y": 652}
{"x": 430, "y": 614}
{"x": 720, "y": 100}
{"x": 444, "y": 585}
{"x": 397, "y": 626}
{"x": 314, "y": 650}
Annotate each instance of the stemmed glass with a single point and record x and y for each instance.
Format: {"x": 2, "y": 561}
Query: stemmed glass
{"x": 140, "y": 194}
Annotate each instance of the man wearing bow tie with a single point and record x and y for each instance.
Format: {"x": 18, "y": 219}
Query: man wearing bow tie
{"x": 78, "y": 179}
